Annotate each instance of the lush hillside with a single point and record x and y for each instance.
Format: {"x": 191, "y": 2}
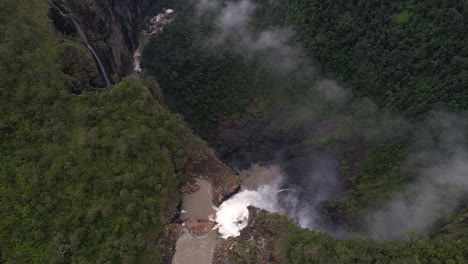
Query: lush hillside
{"x": 406, "y": 57}
{"x": 279, "y": 241}
{"x": 91, "y": 177}
{"x": 409, "y": 57}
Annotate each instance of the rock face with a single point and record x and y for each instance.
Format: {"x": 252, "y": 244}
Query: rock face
{"x": 190, "y": 188}
{"x": 167, "y": 241}
{"x": 199, "y": 227}
{"x": 112, "y": 27}
{"x": 202, "y": 163}
{"x": 252, "y": 140}
{"x": 259, "y": 237}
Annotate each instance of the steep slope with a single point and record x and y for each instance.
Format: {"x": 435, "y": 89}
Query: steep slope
{"x": 89, "y": 178}
{"x": 112, "y": 27}
{"x": 228, "y": 75}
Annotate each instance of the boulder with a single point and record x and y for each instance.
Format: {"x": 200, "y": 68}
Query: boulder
{"x": 199, "y": 227}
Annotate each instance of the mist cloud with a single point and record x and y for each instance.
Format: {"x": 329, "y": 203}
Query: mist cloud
{"x": 439, "y": 155}
{"x": 441, "y": 161}
{"x": 274, "y": 46}
{"x": 204, "y": 6}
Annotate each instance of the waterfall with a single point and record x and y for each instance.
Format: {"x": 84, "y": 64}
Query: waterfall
{"x": 82, "y": 35}
{"x": 96, "y": 57}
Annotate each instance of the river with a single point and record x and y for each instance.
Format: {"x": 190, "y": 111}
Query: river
{"x": 259, "y": 188}
{"x": 198, "y": 206}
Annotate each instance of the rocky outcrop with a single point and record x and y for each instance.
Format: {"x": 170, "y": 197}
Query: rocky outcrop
{"x": 80, "y": 71}
{"x": 200, "y": 162}
{"x": 253, "y": 139}
{"x": 198, "y": 228}
{"x": 190, "y": 188}
{"x": 112, "y": 27}
{"x": 256, "y": 241}
{"x": 167, "y": 241}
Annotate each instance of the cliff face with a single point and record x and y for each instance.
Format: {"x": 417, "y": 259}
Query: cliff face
{"x": 112, "y": 27}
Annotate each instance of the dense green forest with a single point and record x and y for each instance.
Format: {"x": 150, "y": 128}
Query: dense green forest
{"x": 86, "y": 178}
{"x": 92, "y": 175}
{"x": 280, "y": 241}
{"x": 407, "y": 57}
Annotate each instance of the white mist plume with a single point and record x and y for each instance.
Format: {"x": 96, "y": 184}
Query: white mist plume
{"x": 333, "y": 91}
{"x": 273, "y": 47}
{"x": 442, "y": 180}
{"x": 232, "y": 216}
{"x": 204, "y": 6}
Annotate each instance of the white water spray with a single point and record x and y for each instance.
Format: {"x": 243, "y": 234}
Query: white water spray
{"x": 232, "y": 216}
{"x": 155, "y": 27}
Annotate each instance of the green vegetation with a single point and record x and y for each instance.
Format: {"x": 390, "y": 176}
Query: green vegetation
{"x": 91, "y": 177}
{"x": 280, "y": 241}
{"x": 409, "y": 57}
{"x": 206, "y": 86}
{"x": 86, "y": 178}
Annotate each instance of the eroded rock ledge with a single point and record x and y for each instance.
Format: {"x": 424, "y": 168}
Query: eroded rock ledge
{"x": 198, "y": 228}
{"x": 202, "y": 163}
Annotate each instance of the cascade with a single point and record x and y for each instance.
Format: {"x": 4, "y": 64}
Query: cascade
{"x": 85, "y": 39}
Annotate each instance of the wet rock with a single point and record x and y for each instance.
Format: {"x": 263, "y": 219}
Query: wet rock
{"x": 166, "y": 241}
{"x": 256, "y": 241}
{"x": 190, "y": 188}
{"x": 202, "y": 163}
{"x": 112, "y": 27}
{"x": 199, "y": 227}
{"x": 220, "y": 255}
{"x": 193, "y": 188}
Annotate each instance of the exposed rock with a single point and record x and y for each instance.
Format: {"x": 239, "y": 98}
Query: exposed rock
{"x": 209, "y": 168}
{"x": 259, "y": 139}
{"x": 202, "y": 163}
{"x": 154, "y": 27}
{"x": 199, "y": 227}
{"x": 112, "y": 27}
{"x": 190, "y": 188}
{"x": 256, "y": 241}
{"x": 167, "y": 241}
{"x": 220, "y": 255}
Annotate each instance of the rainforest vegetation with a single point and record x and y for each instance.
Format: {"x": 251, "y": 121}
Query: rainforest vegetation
{"x": 84, "y": 178}
{"x": 407, "y": 57}
{"x": 91, "y": 174}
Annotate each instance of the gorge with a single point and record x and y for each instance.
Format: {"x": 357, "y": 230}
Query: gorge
{"x": 234, "y": 131}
